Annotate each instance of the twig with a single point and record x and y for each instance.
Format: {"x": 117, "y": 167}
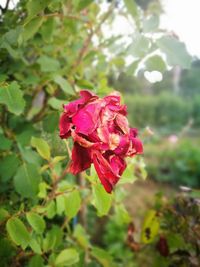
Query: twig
{"x": 4, "y": 9}
{"x": 83, "y": 210}
{"x": 60, "y": 15}
{"x": 89, "y": 39}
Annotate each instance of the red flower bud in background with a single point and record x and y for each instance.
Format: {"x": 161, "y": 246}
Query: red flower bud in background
{"x": 101, "y": 135}
{"x": 162, "y": 246}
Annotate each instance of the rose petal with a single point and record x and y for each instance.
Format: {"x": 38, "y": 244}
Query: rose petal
{"x": 73, "y": 106}
{"x": 106, "y": 175}
{"x": 122, "y": 123}
{"x": 138, "y": 145}
{"x": 117, "y": 164}
{"x": 65, "y": 126}
{"x": 123, "y": 146}
{"x": 81, "y": 140}
{"x": 81, "y": 159}
{"x": 86, "y": 119}
{"x": 133, "y": 132}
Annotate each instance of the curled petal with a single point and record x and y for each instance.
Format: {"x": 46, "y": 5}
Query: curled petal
{"x": 103, "y": 134}
{"x": 138, "y": 145}
{"x": 81, "y": 159}
{"x": 123, "y": 146}
{"x": 114, "y": 140}
{"x": 106, "y": 175}
{"x": 113, "y": 103}
{"x": 65, "y": 126}
{"x": 133, "y": 132}
{"x": 122, "y": 123}
{"x": 112, "y": 99}
{"x": 117, "y": 164}
{"x": 82, "y": 141}
{"x": 87, "y": 95}
{"x": 74, "y": 106}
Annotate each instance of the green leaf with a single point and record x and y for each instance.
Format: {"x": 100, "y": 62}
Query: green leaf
{"x": 8, "y": 166}
{"x": 140, "y": 46}
{"x": 60, "y": 204}
{"x": 36, "y": 261}
{"x": 81, "y": 236}
{"x": 102, "y": 256}
{"x": 101, "y": 199}
{"x": 150, "y": 227}
{"x": 128, "y": 175}
{"x": 175, "y": 242}
{"x": 5, "y": 143}
{"x": 36, "y": 221}
{"x": 155, "y": 63}
{"x": 72, "y": 203}
{"x": 30, "y": 156}
{"x": 131, "y": 69}
{"x": 51, "y": 209}
{"x": 35, "y": 6}
{"x": 175, "y": 51}
{"x": 132, "y": 8}
{"x": 64, "y": 84}
{"x": 67, "y": 257}
{"x": 13, "y": 52}
{"x": 48, "y": 64}
{"x": 31, "y": 28}
{"x": 42, "y": 147}
{"x": 35, "y": 245}
{"x": 18, "y": 232}
{"x": 56, "y": 103}
{"x": 151, "y": 23}
{"x": 58, "y": 159}
{"x": 12, "y": 97}
{"x": 83, "y": 4}
{"x": 50, "y": 122}
{"x": 53, "y": 238}
{"x": 42, "y": 190}
{"x": 3, "y": 214}
{"x": 26, "y": 180}
{"x": 47, "y": 30}
{"x": 121, "y": 215}
{"x": 11, "y": 37}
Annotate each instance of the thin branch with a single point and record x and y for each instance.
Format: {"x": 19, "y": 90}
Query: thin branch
{"x": 89, "y": 39}
{"x": 4, "y": 9}
{"x": 60, "y": 15}
{"x": 7, "y": 4}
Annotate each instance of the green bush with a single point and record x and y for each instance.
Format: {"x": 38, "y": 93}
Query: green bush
{"x": 163, "y": 110}
{"x": 175, "y": 242}
{"x": 196, "y": 111}
{"x": 177, "y": 164}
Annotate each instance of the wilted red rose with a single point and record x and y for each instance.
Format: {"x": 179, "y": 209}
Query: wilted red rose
{"x": 101, "y": 135}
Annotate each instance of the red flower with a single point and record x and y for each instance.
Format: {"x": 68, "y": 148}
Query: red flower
{"x": 101, "y": 135}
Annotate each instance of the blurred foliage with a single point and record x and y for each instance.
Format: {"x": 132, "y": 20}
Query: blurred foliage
{"x": 169, "y": 234}
{"x": 164, "y": 110}
{"x": 177, "y": 241}
{"x": 177, "y": 163}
